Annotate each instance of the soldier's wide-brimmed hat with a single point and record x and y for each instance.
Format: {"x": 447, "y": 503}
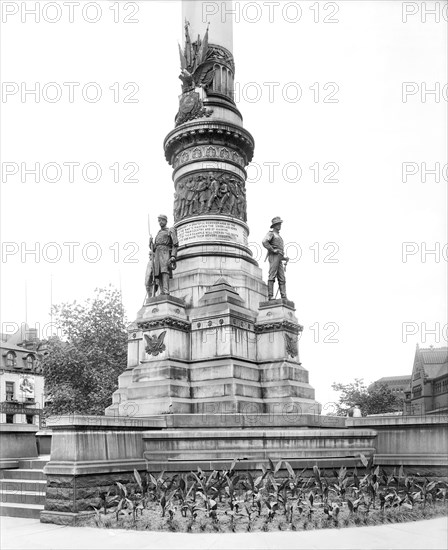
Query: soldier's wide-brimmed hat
{"x": 163, "y": 217}
{"x": 276, "y": 220}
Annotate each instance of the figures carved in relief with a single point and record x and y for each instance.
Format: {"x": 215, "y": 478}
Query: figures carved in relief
{"x": 211, "y": 192}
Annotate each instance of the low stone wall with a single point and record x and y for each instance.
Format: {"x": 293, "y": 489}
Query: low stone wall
{"x": 88, "y": 455}
{"x": 43, "y": 438}
{"x": 180, "y": 450}
{"x": 213, "y": 419}
{"x": 419, "y": 443}
{"x": 17, "y": 441}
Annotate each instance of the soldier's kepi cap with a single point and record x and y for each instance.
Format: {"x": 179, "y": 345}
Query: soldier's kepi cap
{"x": 276, "y": 220}
{"x": 163, "y": 217}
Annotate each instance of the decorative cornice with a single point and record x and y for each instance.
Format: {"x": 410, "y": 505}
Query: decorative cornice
{"x": 202, "y": 254}
{"x": 279, "y": 326}
{"x": 209, "y": 132}
{"x": 166, "y": 322}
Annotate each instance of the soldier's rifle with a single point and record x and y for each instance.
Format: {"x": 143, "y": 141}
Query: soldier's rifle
{"x": 151, "y": 259}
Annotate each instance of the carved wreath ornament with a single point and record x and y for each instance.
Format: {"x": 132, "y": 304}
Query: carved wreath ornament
{"x": 155, "y": 344}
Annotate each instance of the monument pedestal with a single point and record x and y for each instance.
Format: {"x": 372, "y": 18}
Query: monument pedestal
{"x": 156, "y": 380}
{"x": 219, "y": 356}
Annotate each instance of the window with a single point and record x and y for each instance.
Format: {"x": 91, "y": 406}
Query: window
{"x": 9, "y": 391}
{"x": 11, "y": 360}
{"x": 217, "y": 78}
{"x": 29, "y": 362}
{"x": 9, "y": 419}
{"x": 29, "y": 419}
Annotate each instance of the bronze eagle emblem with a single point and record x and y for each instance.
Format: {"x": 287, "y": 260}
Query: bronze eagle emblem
{"x": 155, "y": 343}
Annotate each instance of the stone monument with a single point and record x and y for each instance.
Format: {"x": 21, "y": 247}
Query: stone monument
{"x": 212, "y": 338}
{"x": 213, "y": 370}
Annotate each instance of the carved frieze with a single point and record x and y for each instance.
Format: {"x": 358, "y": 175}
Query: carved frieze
{"x": 167, "y": 322}
{"x": 210, "y": 193}
{"x": 280, "y": 325}
{"x": 207, "y": 152}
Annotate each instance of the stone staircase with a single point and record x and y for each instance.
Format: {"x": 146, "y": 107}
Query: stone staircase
{"x": 22, "y": 489}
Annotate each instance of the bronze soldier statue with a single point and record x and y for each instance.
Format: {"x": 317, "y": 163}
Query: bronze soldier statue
{"x": 163, "y": 253}
{"x": 277, "y": 259}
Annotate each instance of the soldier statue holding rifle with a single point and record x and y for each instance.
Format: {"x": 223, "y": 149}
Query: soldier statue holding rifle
{"x": 162, "y": 259}
{"x": 277, "y": 259}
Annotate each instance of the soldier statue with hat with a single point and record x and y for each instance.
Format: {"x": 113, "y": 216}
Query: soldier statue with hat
{"x": 277, "y": 259}
{"x": 162, "y": 254}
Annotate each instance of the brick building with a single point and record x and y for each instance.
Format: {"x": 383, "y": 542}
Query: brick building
{"x": 397, "y": 385}
{"x": 428, "y": 390}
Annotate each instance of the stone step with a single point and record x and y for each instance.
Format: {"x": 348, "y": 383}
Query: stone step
{"x": 19, "y": 510}
{"x": 22, "y": 473}
{"x": 20, "y": 485}
{"x": 22, "y": 497}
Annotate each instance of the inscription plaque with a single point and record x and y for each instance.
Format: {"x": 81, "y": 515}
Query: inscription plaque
{"x": 212, "y": 231}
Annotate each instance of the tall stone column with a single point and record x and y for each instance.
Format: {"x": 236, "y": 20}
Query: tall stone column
{"x": 209, "y": 150}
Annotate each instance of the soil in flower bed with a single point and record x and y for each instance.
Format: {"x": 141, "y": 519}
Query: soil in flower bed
{"x": 277, "y": 499}
{"x": 151, "y": 520}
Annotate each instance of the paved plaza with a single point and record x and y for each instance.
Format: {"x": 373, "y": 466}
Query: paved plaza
{"x": 17, "y": 533}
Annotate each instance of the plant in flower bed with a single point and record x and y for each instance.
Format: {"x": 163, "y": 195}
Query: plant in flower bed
{"x": 276, "y": 499}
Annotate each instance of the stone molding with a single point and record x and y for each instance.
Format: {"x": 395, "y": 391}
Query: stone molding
{"x": 208, "y": 132}
{"x": 203, "y": 152}
{"x": 278, "y": 326}
{"x": 166, "y": 322}
{"x": 269, "y": 304}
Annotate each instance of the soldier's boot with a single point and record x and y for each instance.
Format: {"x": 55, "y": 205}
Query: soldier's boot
{"x": 270, "y": 290}
{"x": 282, "y": 287}
{"x": 165, "y": 287}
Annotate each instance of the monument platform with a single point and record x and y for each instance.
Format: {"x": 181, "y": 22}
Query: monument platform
{"x": 220, "y": 353}
{"x": 90, "y": 453}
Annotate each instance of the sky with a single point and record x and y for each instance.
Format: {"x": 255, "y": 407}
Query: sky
{"x": 347, "y": 102}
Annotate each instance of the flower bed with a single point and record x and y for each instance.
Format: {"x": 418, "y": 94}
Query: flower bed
{"x": 277, "y": 499}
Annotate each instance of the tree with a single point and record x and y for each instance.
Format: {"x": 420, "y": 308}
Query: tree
{"x": 81, "y": 370}
{"x": 375, "y": 399}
